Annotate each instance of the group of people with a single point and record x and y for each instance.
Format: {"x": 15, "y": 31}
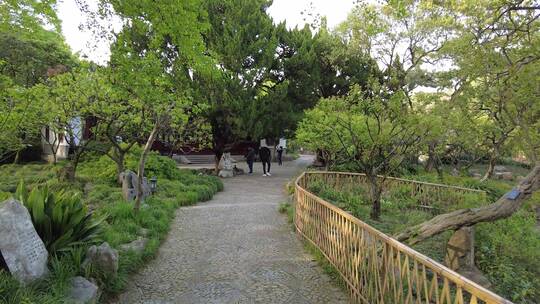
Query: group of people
{"x": 266, "y": 156}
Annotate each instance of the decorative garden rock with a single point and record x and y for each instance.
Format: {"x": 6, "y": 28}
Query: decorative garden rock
{"x": 460, "y": 249}
{"x": 460, "y": 256}
{"x": 137, "y": 246}
{"x": 500, "y": 169}
{"x": 227, "y": 166}
{"x": 144, "y": 232}
{"x": 83, "y": 291}
{"x": 102, "y": 257}
{"x": 130, "y": 185}
{"x": 23, "y": 251}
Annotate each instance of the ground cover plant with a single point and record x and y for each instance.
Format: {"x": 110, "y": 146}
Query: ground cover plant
{"x": 100, "y": 194}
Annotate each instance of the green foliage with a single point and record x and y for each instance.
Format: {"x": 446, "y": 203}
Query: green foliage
{"x": 508, "y": 252}
{"x": 494, "y": 189}
{"x": 61, "y": 219}
{"x": 121, "y": 226}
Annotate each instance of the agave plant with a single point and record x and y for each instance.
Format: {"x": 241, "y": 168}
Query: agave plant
{"x": 61, "y": 219}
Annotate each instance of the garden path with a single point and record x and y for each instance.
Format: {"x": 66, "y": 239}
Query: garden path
{"x": 235, "y": 248}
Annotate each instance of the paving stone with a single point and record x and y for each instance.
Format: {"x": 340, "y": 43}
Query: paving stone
{"x": 236, "y": 248}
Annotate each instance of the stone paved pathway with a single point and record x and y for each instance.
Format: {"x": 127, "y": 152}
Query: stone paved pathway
{"x": 235, "y": 248}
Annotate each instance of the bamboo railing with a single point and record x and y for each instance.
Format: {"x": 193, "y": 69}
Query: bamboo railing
{"x": 426, "y": 193}
{"x": 375, "y": 267}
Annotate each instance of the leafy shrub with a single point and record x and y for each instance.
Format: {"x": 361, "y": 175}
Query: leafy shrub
{"x": 61, "y": 219}
{"x": 508, "y": 252}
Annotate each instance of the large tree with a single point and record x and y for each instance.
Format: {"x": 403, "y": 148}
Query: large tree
{"x": 373, "y": 130}
{"x": 31, "y": 50}
{"x": 493, "y": 49}
{"x": 159, "y": 47}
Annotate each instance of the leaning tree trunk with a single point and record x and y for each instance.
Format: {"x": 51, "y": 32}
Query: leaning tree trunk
{"x": 17, "y": 159}
{"x": 142, "y": 162}
{"x": 491, "y": 168}
{"x": 502, "y": 208}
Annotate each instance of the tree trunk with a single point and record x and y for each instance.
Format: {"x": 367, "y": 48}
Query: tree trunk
{"x": 375, "y": 196}
{"x": 502, "y": 208}
{"x": 67, "y": 174}
{"x": 142, "y": 161}
{"x": 431, "y": 162}
{"x": 120, "y": 155}
{"x": 217, "y": 158}
{"x": 438, "y": 167}
{"x": 491, "y": 168}
{"x": 17, "y": 157}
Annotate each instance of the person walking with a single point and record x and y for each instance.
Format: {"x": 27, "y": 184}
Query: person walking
{"x": 264, "y": 154}
{"x": 250, "y": 158}
{"x": 280, "y": 155}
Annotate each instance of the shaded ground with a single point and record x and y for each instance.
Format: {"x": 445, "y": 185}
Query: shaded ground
{"x": 235, "y": 248}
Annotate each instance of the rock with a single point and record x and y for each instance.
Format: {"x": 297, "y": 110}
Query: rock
{"x": 474, "y": 274}
{"x": 226, "y": 173}
{"x": 147, "y": 191}
{"x": 23, "y": 251}
{"x": 499, "y": 169}
{"x": 103, "y": 258}
{"x": 460, "y": 249}
{"x": 507, "y": 176}
{"x": 88, "y": 187}
{"x": 137, "y": 246}
{"x": 83, "y": 291}
{"x": 130, "y": 185}
{"x": 454, "y": 172}
{"x": 503, "y": 175}
{"x": 477, "y": 175}
{"x": 144, "y": 232}
{"x": 226, "y": 165}
{"x": 460, "y": 256}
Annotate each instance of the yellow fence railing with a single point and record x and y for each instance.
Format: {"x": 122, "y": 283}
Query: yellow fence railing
{"x": 426, "y": 193}
{"x": 375, "y": 267}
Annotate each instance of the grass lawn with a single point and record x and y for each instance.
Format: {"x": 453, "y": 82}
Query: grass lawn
{"x": 95, "y": 182}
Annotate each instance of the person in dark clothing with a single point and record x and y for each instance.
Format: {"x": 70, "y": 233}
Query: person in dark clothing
{"x": 280, "y": 155}
{"x": 250, "y": 158}
{"x": 264, "y": 154}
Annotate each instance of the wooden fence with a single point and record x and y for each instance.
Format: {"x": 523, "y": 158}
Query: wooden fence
{"x": 375, "y": 267}
{"x": 427, "y": 194}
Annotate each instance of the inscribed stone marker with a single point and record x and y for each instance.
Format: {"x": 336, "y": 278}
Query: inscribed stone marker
{"x": 23, "y": 251}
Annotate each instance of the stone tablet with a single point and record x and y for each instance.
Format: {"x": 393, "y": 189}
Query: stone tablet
{"x": 23, "y": 251}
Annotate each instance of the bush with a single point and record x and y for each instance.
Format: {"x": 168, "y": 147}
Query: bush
{"x": 508, "y": 252}
{"x": 60, "y": 219}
